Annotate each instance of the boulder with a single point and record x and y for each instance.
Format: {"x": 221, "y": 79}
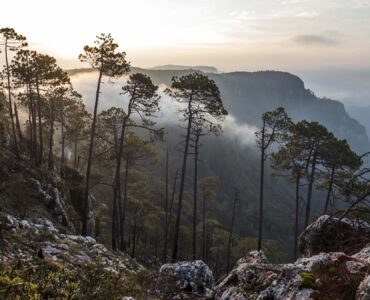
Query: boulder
{"x": 251, "y": 275}
{"x": 188, "y": 278}
{"x": 333, "y": 275}
{"x": 331, "y": 234}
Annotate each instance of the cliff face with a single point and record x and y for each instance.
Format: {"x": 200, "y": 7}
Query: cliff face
{"x": 247, "y": 95}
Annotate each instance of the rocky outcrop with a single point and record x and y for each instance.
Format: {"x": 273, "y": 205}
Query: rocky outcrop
{"x": 252, "y": 273}
{"x": 24, "y": 239}
{"x": 323, "y": 276}
{"x": 363, "y": 292}
{"x": 187, "y": 279}
{"x": 334, "y": 274}
{"x": 52, "y": 198}
{"x": 329, "y": 234}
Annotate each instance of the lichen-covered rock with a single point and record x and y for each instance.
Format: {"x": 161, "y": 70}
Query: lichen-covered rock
{"x": 332, "y": 275}
{"x": 331, "y": 234}
{"x": 233, "y": 293}
{"x": 252, "y": 274}
{"x": 187, "y": 278}
{"x": 28, "y": 238}
{"x": 363, "y": 291}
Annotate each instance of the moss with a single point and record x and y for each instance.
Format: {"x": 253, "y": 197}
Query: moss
{"x": 308, "y": 281}
{"x": 14, "y": 287}
{"x": 45, "y": 279}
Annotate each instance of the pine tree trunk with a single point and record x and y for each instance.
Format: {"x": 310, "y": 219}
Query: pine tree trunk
{"x": 208, "y": 246}
{"x": 310, "y": 187}
{"x": 204, "y": 229}
{"x": 30, "y": 131}
{"x": 298, "y": 178}
{"x": 18, "y": 122}
{"x": 165, "y": 244}
{"x": 16, "y": 148}
{"x": 75, "y": 150}
{"x": 181, "y": 192}
{"x": 173, "y": 194}
{"x": 231, "y": 232}
{"x": 195, "y": 185}
{"x": 33, "y": 126}
{"x": 62, "y": 157}
{"x": 156, "y": 246}
{"x": 118, "y": 176}
{"x": 217, "y": 262}
{"x": 89, "y": 159}
{"x": 330, "y": 189}
{"x": 134, "y": 238}
{"x": 41, "y": 140}
{"x": 123, "y": 209}
{"x": 263, "y": 148}
{"x": 51, "y": 135}
{"x": 114, "y": 217}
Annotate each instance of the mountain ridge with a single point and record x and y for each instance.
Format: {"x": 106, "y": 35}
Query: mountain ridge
{"x": 247, "y": 95}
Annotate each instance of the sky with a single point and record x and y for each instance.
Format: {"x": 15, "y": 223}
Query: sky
{"x": 325, "y": 42}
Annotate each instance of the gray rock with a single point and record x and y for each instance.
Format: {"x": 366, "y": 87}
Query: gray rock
{"x": 363, "y": 291}
{"x": 233, "y": 293}
{"x": 331, "y": 234}
{"x": 255, "y": 279}
{"x": 69, "y": 249}
{"x": 252, "y": 274}
{"x": 190, "y": 277}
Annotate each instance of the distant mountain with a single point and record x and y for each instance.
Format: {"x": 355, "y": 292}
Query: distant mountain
{"x": 361, "y": 113}
{"x": 205, "y": 69}
{"x": 247, "y": 95}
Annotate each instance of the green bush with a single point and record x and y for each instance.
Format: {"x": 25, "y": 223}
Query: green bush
{"x": 46, "y": 279}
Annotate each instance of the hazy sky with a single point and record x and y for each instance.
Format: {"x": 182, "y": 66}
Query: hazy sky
{"x": 315, "y": 39}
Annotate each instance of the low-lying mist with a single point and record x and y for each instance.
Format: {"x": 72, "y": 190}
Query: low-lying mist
{"x": 168, "y": 116}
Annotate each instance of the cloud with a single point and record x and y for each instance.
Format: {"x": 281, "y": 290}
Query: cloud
{"x": 307, "y": 14}
{"x": 314, "y": 40}
{"x": 245, "y": 15}
{"x": 239, "y": 131}
{"x": 85, "y": 83}
{"x": 288, "y": 2}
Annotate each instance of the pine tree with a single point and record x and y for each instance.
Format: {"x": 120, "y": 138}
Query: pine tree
{"x": 12, "y": 41}
{"x": 274, "y": 126}
{"x": 203, "y": 106}
{"x": 109, "y": 62}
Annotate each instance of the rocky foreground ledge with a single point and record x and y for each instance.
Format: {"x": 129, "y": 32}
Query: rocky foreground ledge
{"x": 41, "y": 261}
{"x": 24, "y": 239}
{"x": 37, "y": 258}
{"x": 340, "y": 273}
